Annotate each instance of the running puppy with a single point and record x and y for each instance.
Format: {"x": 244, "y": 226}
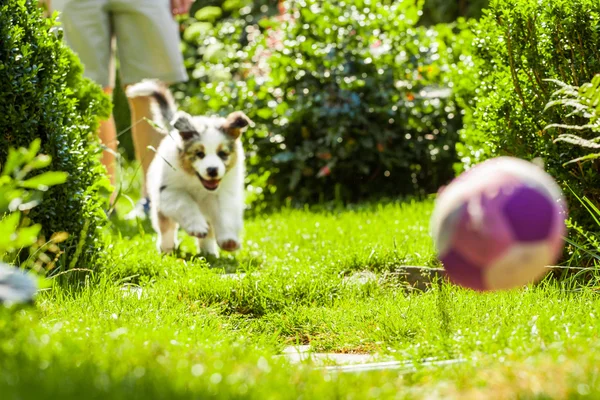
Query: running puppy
{"x": 196, "y": 180}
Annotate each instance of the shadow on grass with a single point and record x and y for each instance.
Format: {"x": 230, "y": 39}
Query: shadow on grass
{"x": 186, "y": 251}
{"x": 130, "y": 228}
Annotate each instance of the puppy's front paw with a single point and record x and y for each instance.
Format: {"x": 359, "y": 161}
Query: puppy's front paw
{"x": 167, "y": 242}
{"x": 197, "y": 227}
{"x": 229, "y": 245}
{"x": 166, "y": 248}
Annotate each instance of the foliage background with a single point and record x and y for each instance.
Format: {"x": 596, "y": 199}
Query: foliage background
{"x": 224, "y": 39}
{"x": 348, "y": 101}
{"x": 519, "y": 46}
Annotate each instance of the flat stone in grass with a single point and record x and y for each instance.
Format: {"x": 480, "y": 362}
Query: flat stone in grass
{"x": 422, "y": 278}
{"x": 349, "y": 363}
{"x": 239, "y": 275}
{"x": 409, "y": 277}
{"x": 131, "y": 290}
{"x": 403, "y": 367}
{"x": 417, "y": 278}
{"x": 299, "y": 354}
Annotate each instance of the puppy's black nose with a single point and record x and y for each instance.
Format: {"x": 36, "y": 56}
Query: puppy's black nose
{"x": 212, "y": 172}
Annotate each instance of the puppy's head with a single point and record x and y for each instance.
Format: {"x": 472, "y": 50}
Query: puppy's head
{"x": 209, "y": 148}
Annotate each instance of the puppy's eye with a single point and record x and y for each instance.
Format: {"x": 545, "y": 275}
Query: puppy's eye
{"x": 200, "y": 154}
{"x": 223, "y": 154}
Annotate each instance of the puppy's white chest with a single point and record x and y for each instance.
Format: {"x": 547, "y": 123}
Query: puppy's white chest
{"x": 202, "y": 197}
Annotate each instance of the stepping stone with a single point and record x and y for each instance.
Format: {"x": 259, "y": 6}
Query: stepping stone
{"x": 421, "y": 278}
{"x": 352, "y": 363}
{"x": 362, "y": 278}
{"x": 239, "y": 276}
{"x": 301, "y": 354}
{"x": 405, "y": 367}
{"x": 129, "y": 290}
{"x": 415, "y": 277}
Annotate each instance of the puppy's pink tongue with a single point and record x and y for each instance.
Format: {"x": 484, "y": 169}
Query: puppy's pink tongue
{"x": 211, "y": 184}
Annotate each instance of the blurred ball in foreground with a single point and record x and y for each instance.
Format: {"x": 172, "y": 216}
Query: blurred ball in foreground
{"x": 16, "y": 286}
{"x": 498, "y": 225}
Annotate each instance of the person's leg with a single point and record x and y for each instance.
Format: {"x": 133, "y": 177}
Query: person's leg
{"x": 148, "y": 46}
{"x": 145, "y": 137}
{"x": 87, "y": 30}
{"x": 108, "y": 137}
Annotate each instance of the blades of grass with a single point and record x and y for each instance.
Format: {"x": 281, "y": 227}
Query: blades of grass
{"x": 164, "y": 159}
{"x": 585, "y": 204}
{"x": 579, "y": 247}
{"x": 592, "y": 206}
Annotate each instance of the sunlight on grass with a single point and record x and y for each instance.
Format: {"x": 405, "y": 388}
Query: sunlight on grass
{"x": 150, "y": 325}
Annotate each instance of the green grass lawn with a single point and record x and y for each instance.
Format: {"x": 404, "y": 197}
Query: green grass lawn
{"x": 169, "y": 327}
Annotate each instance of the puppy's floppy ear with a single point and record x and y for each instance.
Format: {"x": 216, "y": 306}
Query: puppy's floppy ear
{"x": 235, "y": 123}
{"x": 182, "y": 122}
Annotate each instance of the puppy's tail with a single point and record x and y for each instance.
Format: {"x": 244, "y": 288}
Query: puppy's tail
{"x": 163, "y": 104}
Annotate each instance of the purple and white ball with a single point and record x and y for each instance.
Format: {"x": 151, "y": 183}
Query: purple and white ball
{"x": 498, "y": 225}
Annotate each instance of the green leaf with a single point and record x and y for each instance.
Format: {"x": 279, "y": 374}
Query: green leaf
{"x": 209, "y": 13}
{"x": 14, "y": 160}
{"x": 196, "y": 30}
{"x": 41, "y": 161}
{"x": 215, "y": 53}
{"x": 8, "y": 229}
{"x": 45, "y": 180}
{"x": 584, "y": 158}
{"x": 26, "y": 236}
{"x": 593, "y": 207}
{"x": 230, "y": 5}
{"x": 264, "y": 113}
{"x": 34, "y": 149}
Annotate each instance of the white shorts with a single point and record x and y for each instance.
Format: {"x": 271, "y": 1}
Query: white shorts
{"x": 146, "y": 35}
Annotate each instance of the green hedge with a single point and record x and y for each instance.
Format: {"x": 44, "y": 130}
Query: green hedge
{"x": 44, "y": 96}
{"x": 444, "y": 11}
{"x": 520, "y": 44}
{"x": 348, "y": 102}
{"x": 122, "y": 116}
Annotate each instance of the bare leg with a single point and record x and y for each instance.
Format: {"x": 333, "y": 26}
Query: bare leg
{"x": 143, "y": 134}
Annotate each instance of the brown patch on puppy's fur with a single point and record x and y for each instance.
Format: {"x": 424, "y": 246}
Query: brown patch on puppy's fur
{"x": 165, "y": 223}
{"x": 230, "y": 149}
{"x": 236, "y": 121}
{"x": 189, "y": 155}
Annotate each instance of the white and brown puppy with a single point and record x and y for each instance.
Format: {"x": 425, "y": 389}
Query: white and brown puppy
{"x": 196, "y": 180}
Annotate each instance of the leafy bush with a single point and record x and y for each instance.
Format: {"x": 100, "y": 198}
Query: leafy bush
{"x": 122, "y": 117}
{"x": 44, "y": 96}
{"x": 582, "y": 101}
{"x": 348, "y": 101}
{"x": 440, "y": 11}
{"x": 519, "y": 46}
{"x": 18, "y": 196}
{"x": 248, "y": 10}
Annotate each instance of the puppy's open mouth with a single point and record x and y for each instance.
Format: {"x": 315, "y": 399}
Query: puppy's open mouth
{"x": 213, "y": 184}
